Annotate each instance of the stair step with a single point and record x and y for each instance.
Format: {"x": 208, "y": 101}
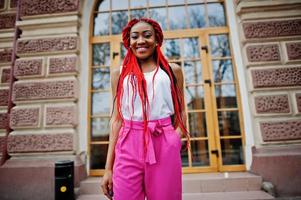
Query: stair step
{"x": 252, "y": 195}
{"x": 196, "y": 183}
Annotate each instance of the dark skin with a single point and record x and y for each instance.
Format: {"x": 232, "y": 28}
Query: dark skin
{"x": 143, "y": 44}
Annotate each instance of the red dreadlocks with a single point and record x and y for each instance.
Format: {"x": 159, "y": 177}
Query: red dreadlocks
{"x": 131, "y": 68}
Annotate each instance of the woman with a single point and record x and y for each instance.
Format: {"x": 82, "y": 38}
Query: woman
{"x": 144, "y": 151}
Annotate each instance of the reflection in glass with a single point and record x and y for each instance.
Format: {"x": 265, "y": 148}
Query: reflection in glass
{"x": 196, "y": 16}
{"x": 219, "y": 45}
{"x": 193, "y": 72}
{"x": 119, "y": 20}
{"x": 225, "y": 96}
{"x": 101, "y": 24}
{"x": 156, "y": 2}
{"x": 200, "y": 154}
{"x": 184, "y": 155}
{"x": 191, "y": 48}
{"x": 138, "y": 13}
{"x": 159, "y": 15}
{"x": 98, "y": 156}
{"x": 216, "y": 14}
{"x": 197, "y": 124}
{"x": 222, "y": 71}
{"x": 232, "y": 151}
{"x": 172, "y": 49}
{"x": 173, "y": 2}
{"x": 122, "y": 52}
{"x": 101, "y": 54}
{"x": 101, "y": 103}
{"x": 228, "y": 122}
{"x": 138, "y": 4}
{"x": 101, "y": 78}
{"x": 103, "y": 5}
{"x": 117, "y": 4}
{"x": 194, "y": 96}
{"x": 100, "y": 129}
{"x": 177, "y": 17}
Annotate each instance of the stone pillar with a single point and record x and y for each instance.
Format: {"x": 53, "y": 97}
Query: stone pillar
{"x": 44, "y": 120}
{"x": 271, "y": 44}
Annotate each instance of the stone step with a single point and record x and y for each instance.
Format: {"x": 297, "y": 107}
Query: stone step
{"x": 246, "y": 195}
{"x": 197, "y": 183}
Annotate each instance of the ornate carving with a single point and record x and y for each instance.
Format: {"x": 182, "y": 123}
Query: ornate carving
{"x": 40, "y": 7}
{"x": 24, "y": 117}
{"x": 261, "y": 53}
{"x": 278, "y": 77}
{"x": 60, "y": 116}
{"x": 5, "y": 55}
{"x": 3, "y": 97}
{"x": 5, "y": 76}
{"x": 7, "y": 21}
{"x": 40, "y": 143}
{"x": 28, "y": 67}
{"x": 44, "y": 90}
{"x": 3, "y": 120}
{"x": 275, "y": 131}
{"x": 293, "y": 50}
{"x": 59, "y": 65}
{"x": 13, "y": 3}
{"x": 2, "y": 2}
{"x": 272, "y": 104}
{"x": 47, "y": 45}
{"x": 272, "y": 28}
{"x": 298, "y": 99}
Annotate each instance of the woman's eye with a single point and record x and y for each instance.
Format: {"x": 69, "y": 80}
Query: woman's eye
{"x": 134, "y": 37}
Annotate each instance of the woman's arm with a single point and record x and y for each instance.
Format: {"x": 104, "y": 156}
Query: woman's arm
{"x": 115, "y": 125}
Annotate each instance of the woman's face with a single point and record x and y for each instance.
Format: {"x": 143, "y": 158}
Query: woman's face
{"x": 142, "y": 40}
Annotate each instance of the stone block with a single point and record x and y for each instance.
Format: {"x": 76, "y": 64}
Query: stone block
{"x": 7, "y": 20}
{"x": 5, "y": 55}
{"x": 25, "y": 117}
{"x": 3, "y": 97}
{"x": 48, "y": 45}
{"x": 5, "y": 75}
{"x": 276, "y": 77}
{"x": 293, "y": 50}
{"x": 28, "y": 67}
{"x": 62, "y": 64}
{"x": 268, "y": 29}
{"x": 45, "y": 90}
{"x": 40, "y": 142}
{"x": 263, "y": 53}
{"x": 279, "y": 131}
{"x": 13, "y": 3}
{"x": 3, "y": 120}
{"x": 42, "y": 7}
{"x": 2, "y": 3}
{"x": 298, "y": 100}
{"x": 61, "y": 116}
{"x": 272, "y": 104}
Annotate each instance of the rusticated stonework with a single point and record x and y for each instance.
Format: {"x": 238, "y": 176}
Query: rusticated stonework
{"x": 47, "y": 45}
{"x": 278, "y": 77}
{"x": 40, "y": 143}
{"x": 3, "y": 120}
{"x": 28, "y": 67}
{"x": 5, "y": 55}
{"x": 275, "y": 131}
{"x": 62, "y": 65}
{"x": 272, "y": 28}
{"x": 26, "y": 91}
{"x": 2, "y": 2}
{"x": 7, "y": 21}
{"x": 13, "y": 3}
{"x": 40, "y": 7}
{"x": 2, "y": 142}
{"x": 24, "y": 117}
{"x": 3, "y": 97}
{"x": 58, "y": 116}
{"x": 298, "y": 99}
{"x": 5, "y": 76}
{"x": 261, "y": 53}
{"x": 272, "y": 104}
{"x": 293, "y": 51}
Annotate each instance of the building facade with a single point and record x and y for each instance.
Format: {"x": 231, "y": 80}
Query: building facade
{"x": 242, "y": 66}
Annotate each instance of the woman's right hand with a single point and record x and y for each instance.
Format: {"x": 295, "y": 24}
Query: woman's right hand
{"x": 107, "y": 184}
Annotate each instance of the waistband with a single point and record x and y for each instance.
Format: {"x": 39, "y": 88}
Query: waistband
{"x": 139, "y": 125}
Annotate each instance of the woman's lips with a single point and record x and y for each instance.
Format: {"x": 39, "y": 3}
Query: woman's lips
{"x": 141, "y": 49}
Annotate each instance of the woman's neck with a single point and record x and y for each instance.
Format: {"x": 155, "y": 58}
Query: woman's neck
{"x": 147, "y": 65}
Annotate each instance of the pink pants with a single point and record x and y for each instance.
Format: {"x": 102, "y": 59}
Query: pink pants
{"x": 154, "y": 172}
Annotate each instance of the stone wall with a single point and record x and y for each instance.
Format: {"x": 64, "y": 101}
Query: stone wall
{"x": 271, "y": 43}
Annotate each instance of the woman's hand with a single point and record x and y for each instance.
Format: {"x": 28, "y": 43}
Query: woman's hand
{"x": 107, "y": 184}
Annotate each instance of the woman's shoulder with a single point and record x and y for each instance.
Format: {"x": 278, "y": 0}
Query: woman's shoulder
{"x": 115, "y": 74}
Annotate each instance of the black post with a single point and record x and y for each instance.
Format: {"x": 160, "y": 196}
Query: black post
{"x": 64, "y": 180}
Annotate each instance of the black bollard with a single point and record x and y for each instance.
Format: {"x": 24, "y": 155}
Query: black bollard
{"x": 64, "y": 177}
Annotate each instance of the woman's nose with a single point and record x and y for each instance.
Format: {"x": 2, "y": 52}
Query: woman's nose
{"x": 140, "y": 40}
